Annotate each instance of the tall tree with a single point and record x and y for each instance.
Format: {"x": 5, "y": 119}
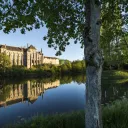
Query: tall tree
{"x": 75, "y": 19}
{"x": 112, "y": 32}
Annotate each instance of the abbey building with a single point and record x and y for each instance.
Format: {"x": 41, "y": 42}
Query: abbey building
{"x": 27, "y": 56}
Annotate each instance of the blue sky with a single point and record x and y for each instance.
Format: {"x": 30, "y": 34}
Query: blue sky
{"x": 35, "y": 37}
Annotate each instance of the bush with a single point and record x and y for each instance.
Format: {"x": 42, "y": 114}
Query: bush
{"x": 45, "y": 70}
{"x": 78, "y": 66}
{"x": 66, "y": 68}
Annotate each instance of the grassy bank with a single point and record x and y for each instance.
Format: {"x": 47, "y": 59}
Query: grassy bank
{"x": 114, "y": 116}
{"x": 120, "y": 74}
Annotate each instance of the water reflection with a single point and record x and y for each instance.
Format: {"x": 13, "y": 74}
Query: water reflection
{"x": 14, "y": 93}
{"x": 113, "y": 89}
{"x": 26, "y": 98}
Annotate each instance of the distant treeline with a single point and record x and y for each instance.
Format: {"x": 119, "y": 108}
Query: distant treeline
{"x": 45, "y": 70}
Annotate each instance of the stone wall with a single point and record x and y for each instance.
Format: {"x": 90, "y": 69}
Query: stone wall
{"x": 16, "y": 57}
{"x": 34, "y": 58}
{"x": 51, "y": 60}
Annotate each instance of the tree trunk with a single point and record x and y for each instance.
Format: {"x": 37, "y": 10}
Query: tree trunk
{"x": 93, "y": 58}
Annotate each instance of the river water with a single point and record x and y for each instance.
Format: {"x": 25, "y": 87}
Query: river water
{"x": 25, "y": 98}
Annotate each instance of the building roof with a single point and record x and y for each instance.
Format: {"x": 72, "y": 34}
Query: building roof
{"x": 11, "y": 48}
{"x": 31, "y": 47}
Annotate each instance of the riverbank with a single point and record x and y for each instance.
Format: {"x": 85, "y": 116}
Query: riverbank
{"x": 45, "y": 70}
{"x": 115, "y": 115}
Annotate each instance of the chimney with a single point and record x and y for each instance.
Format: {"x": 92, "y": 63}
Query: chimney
{"x": 27, "y": 45}
{"x": 5, "y": 45}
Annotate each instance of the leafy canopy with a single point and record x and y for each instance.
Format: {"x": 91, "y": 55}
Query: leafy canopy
{"x": 64, "y": 19}
{"x": 4, "y": 61}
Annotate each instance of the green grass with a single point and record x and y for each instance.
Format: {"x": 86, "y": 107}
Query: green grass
{"x": 114, "y": 74}
{"x": 66, "y": 120}
{"x": 114, "y": 77}
{"x": 114, "y": 116}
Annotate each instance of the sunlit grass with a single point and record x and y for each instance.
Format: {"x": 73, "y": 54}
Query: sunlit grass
{"x": 121, "y": 73}
{"x": 115, "y": 74}
{"x": 121, "y": 81}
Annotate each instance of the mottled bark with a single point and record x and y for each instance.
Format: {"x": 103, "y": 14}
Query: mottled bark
{"x": 93, "y": 58}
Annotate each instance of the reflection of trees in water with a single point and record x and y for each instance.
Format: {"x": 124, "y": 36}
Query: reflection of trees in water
{"x": 114, "y": 89}
{"x": 79, "y": 78}
{"x": 4, "y": 92}
{"x": 76, "y": 78}
{"x": 66, "y": 79}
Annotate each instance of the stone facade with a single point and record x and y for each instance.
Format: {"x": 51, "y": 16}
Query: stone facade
{"x": 51, "y": 60}
{"x": 27, "y": 56}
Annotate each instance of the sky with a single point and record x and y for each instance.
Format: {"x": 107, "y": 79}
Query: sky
{"x": 35, "y": 38}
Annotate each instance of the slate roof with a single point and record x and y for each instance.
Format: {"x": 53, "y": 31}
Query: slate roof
{"x": 20, "y": 49}
{"x": 11, "y": 48}
{"x": 31, "y": 47}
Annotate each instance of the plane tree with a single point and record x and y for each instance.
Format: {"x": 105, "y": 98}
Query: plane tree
{"x": 113, "y": 39}
{"x": 68, "y": 19}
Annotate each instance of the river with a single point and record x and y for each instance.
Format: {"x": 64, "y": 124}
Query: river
{"x": 24, "y": 98}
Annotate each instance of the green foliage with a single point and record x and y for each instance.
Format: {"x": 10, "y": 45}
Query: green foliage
{"x": 73, "y": 67}
{"x": 62, "y": 61}
{"x": 114, "y": 36}
{"x": 78, "y": 66}
{"x": 65, "y": 79}
{"x": 5, "y": 92}
{"x": 4, "y": 61}
{"x": 45, "y": 70}
{"x": 121, "y": 74}
{"x": 64, "y": 19}
{"x": 81, "y": 78}
{"x": 72, "y": 120}
{"x": 66, "y": 68}
{"x": 115, "y": 115}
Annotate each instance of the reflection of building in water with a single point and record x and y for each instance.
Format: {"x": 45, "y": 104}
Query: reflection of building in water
{"x": 27, "y": 92}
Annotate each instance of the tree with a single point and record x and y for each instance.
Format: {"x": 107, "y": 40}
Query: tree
{"x": 4, "y": 61}
{"x": 112, "y": 33}
{"x": 78, "y": 66}
{"x": 65, "y": 20}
